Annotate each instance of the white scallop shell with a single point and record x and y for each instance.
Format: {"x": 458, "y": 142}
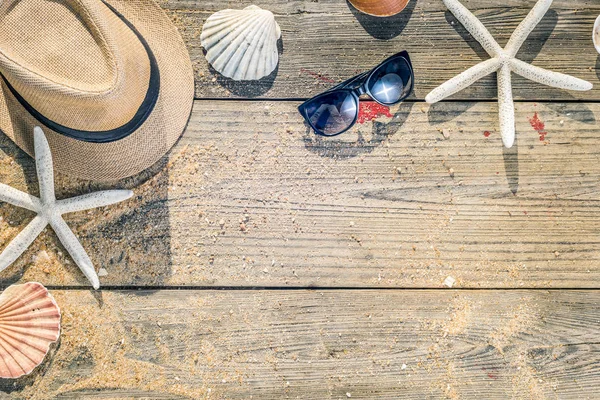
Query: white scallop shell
{"x": 596, "y": 34}
{"x": 242, "y": 44}
{"x": 29, "y": 323}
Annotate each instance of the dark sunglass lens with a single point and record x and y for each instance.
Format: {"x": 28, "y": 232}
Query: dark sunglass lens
{"x": 391, "y": 82}
{"x": 332, "y": 113}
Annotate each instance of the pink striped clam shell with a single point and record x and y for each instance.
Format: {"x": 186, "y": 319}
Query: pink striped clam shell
{"x": 29, "y": 323}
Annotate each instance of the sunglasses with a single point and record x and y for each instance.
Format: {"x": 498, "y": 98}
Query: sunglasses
{"x": 336, "y": 110}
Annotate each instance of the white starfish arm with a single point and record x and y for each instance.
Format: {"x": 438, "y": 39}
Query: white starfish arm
{"x": 75, "y": 249}
{"x": 550, "y": 78}
{"x": 22, "y": 241}
{"x": 474, "y": 26}
{"x": 506, "y": 107}
{"x": 93, "y": 200}
{"x": 463, "y": 80}
{"x": 44, "y": 166}
{"x": 526, "y": 26}
{"x": 17, "y": 198}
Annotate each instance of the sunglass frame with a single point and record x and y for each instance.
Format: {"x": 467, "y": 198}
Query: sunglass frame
{"x": 360, "y": 81}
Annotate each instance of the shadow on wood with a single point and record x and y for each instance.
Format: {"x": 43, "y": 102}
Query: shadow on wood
{"x": 444, "y": 112}
{"x": 530, "y": 49}
{"x": 511, "y": 165}
{"x": 123, "y": 239}
{"x": 338, "y": 147}
{"x": 528, "y": 52}
{"x": 384, "y": 28}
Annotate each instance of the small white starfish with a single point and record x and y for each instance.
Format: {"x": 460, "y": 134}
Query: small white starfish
{"x": 49, "y": 211}
{"x": 503, "y": 61}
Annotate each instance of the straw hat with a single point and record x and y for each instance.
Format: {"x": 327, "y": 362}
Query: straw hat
{"x": 109, "y": 81}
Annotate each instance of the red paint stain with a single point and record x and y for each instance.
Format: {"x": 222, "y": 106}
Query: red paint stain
{"x": 538, "y": 125}
{"x": 490, "y": 375}
{"x": 317, "y": 75}
{"x": 487, "y": 133}
{"x": 369, "y": 110}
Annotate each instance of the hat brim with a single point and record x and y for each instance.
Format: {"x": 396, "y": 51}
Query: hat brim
{"x": 152, "y": 140}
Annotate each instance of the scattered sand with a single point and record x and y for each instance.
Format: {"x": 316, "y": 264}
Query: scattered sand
{"x": 95, "y": 336}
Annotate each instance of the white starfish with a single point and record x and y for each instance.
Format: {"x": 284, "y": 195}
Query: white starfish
{"x": 49, "y": 211}
{"x": 503, "y": 61}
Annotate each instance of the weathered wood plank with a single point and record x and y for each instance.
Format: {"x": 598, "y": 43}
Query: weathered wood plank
{"x": 251, "y": 198}
{"x": 322, "y": 345}
{"x": 328, "y": 41}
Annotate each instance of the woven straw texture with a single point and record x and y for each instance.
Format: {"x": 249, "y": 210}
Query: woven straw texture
{"x": 80, "y": 66}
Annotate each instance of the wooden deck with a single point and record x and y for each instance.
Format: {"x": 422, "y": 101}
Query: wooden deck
{"x": 260, "y": 261}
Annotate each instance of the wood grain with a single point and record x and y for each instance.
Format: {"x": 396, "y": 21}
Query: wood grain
{"x": 321, "y": 345}
{"x": 328, "y": 41}
{"x": 250, "y": 197}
